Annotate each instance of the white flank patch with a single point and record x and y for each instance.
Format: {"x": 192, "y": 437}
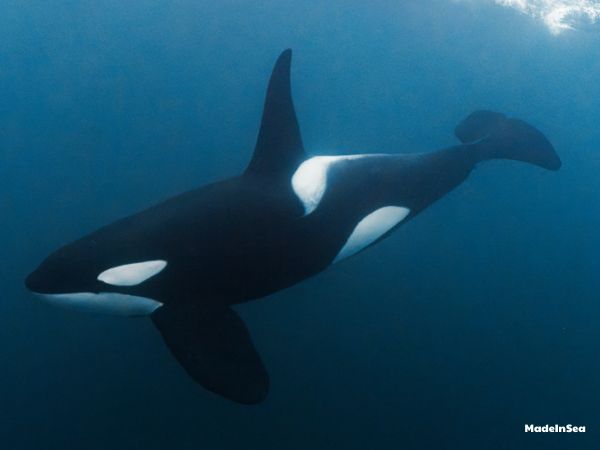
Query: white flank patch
{"x": 310, "y": 179}
{"x": 105, "y": 302}
{"x": 372, "y": 227}
{"x": 132, "y": 274}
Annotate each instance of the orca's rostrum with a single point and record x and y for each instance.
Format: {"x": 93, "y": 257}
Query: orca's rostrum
{"x": 186, "y": 261}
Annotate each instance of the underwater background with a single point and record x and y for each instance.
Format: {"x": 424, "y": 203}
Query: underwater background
{"x": 480, "y": 316}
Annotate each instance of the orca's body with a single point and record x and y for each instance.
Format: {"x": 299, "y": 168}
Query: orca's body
{"x": 288, "y": 217}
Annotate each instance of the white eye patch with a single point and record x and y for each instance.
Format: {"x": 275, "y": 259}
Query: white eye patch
{"x": 132, "y": 274}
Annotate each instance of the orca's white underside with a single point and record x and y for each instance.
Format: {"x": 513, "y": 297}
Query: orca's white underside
{"x": 105, "y": 303}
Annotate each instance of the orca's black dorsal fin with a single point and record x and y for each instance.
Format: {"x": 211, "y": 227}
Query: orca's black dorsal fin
{"x": 279, "y": 148}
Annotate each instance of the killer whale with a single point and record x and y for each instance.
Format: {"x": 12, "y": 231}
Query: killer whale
{"x": 288, "y": 216}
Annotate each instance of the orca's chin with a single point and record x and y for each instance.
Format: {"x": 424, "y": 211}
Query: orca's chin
{"x": 33, "y": 283}
{"x": 110, "y": 303}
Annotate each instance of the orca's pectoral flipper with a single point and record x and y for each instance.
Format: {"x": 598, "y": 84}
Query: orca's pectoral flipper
{"x": 279, "y": 150}
{"x": 497, "y": 137}
{"x": 215, "y": 348}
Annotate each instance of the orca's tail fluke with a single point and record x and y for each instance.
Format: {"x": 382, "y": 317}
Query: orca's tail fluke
{"x": 497, "y": 137}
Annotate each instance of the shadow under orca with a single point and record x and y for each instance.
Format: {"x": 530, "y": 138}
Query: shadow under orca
{"x": 186, "y": 261}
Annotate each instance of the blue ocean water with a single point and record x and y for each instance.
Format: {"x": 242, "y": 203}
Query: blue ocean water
{"x": 474, "y": 319}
